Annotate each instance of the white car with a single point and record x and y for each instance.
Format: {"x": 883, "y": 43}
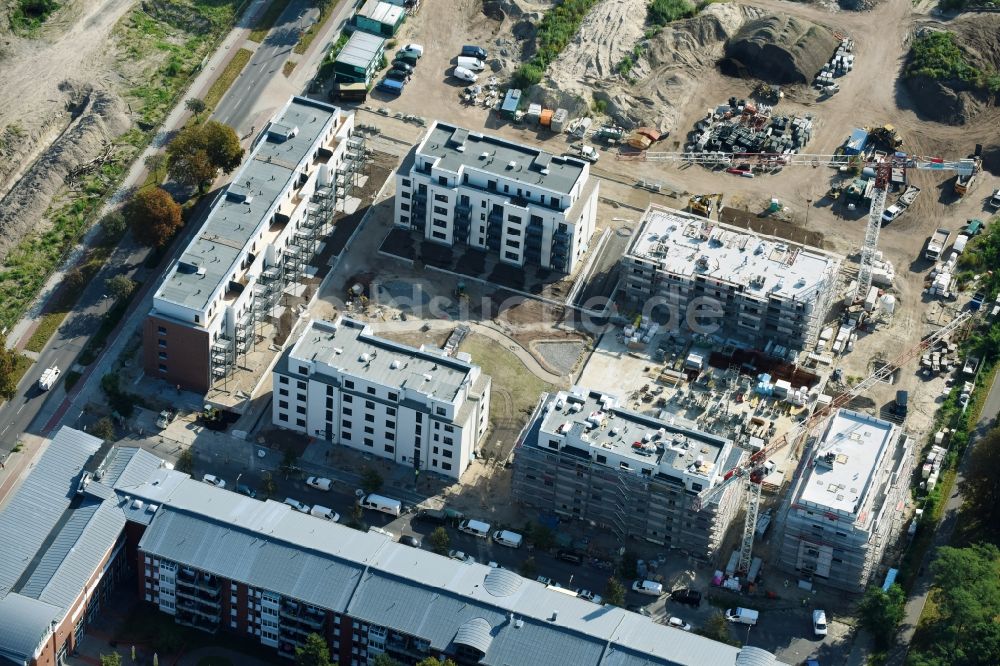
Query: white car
{"x": 318, "y": 482}
{"x": 297, "y": 505}
{"x": 165, "y": 418}
{"x": 544, "y": 580}
{"x": 994, "y": 202}
{"x": 679, "y": 624}
{"x": 460, "y": 556}
{"x": 213, "y": 481}
{"x": 464, "y": 74}
{"x": 590, "y": 596}
{"x": 413, "y": 49}
{"x": 819, "y": 622}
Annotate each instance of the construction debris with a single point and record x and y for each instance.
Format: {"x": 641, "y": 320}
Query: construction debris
{"x": 743, "y": 126}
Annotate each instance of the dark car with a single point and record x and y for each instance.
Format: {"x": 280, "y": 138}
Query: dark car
{"x": 398, "y": 75}
{"x": 411, "y": 541}
{"x": 899, "y": 406}
{"x": 402, "y": 65}
{"x": 686, "y": 596}
{"x": 431, "y": 517}
{"x": 244, "y": 489}
{"x": 469, "y": 51}
{"x": 570, "y": 556}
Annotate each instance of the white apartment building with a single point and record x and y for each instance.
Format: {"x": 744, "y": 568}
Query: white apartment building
{"x": 256, "y": 241}
{"x": 417, "y": 407}
{"x": 848, "y": 504}
{"x": 523, "y": 205}
{"x": 768, "y": 289}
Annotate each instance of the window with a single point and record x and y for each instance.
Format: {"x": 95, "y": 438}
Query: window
{"x": 161, "y": 330}
{"x": 446, "y": 466}
{"x": 197, "y": 318}
{"x": 346, "y": 436}
{"x": 163, "y": 356}
{"x": 390, "y": 411}
{"x": 406, "y": 182}
{"x": 369, "y": 430}
{"x": 435, "y": 450}
{"x": 419, "y": 429}
{"x": 369, "y": 404}
{"x": 440, "y": 411}
{"x": 513, "y": 231}
{"x": 300, "y": 423}
{"x": 370, "y": 418}
{"x": 301, "y": 385}
{"x": 439, "y": 235}
{"x": 303, "y": 370}
{"x": 390, "y": 424}
{"x": 348, "y": 384}
{"x": 514, "y": 218}
{"x": 404, "y": 219}
{"x": 329, "y": 390}
{"x": 510, "y": 255}
{"x": 464, "y": 200}
{"x": 449, "y": 428}
{"x": 369, "y": 441}
{"x": 348, "y": 411}
{"x": 162, "y": 368}
{"x": 347, "y": 398}
{"x": 300, "y": 409}
{"x": 437, "y": 425}
{"x": 282, "y": 404}
{"x": 161, "y": 343}
{"x": 390, "y": 449}
{"x": 513, "y": 243}
{"x": 390, "y": 436}
{"x": 404, "y": 206}
{"x": 282, "y": 379}
{"x": 446, "y": 453}
{"x": 439, "y": 223}
{"x": 440, "y": 210}
{"x": 283, "y": 417}
{"x": 442, "y": 180}
{"x": 346, "y": 425}
{"x": 329, "y": 403}
{"x": 329, "y": 415}
{"x": 393, "y": 396}
{"x": 283, "y": 392}
{"x": 404, "y": 194}
{"x": 449, "y": 440}
{"x": 437, "y": 438}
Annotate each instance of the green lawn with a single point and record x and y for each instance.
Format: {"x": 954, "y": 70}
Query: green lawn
{"x": 225, "y": 80}
{"x": 508, "y": 372}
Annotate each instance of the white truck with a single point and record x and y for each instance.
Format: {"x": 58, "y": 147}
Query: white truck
{"x": 936, "y": 244}
{"x": 742, "y": 615}
{"x": 49, "y": 378}
{"x": 905, "y": 201}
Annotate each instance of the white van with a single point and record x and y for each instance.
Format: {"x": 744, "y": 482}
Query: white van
{"x": 464, "y": 74}
{"x": 507, "y": 538}
{"x": 742, "y": 615}
{"x": 384, "y": 504}
{"x": 475, "y": 528}
{"x": 650, "y": 587}
{"x": 323, "y": 512}
{"x": 471, "y": 64}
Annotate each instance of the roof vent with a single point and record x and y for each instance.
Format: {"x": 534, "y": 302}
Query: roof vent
{"x": 364, "y": 358}
{"x": 544, "y": 172}
{"x": 555, "y": 616}
{"x": 483, "y": 155}
{"x": 518, "y": 623}
{"x": 511, "y": 164}
{"x": 427, "y": 377}
{"x": 394, "y": 364}
{"x": 338, "y": 350}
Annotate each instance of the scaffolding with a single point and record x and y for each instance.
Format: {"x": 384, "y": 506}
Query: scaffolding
{"x": 222, "y": 357}
{"x": 354, "y": 164}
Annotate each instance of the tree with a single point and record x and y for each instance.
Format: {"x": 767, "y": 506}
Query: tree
{"x": 185, "y": 462}
{"x": 113, "y": 659}
{"x": 880, "y": 613}
{"x": 982, "y": 483}
{"x": 440, "y": 541}
{"x": 195, "y": 106}
{"x": 153, "y": 216}
{"x": 313, "y": 653}
{"x": 433, "y": 661}
{"x": 267, "y": 485}
{"x": 196, "y": 154}
{"x": 542, "y": 537}
{"x": 119, "y": 287}
{"x": 614, "y": 592}
{"x": 113, "y": 226}
{"x": 157, "y": 164}
{"x": 717, "y": 628}
{"x": 629, "y": 566}
{"x": 371, "y": 480}
{"x": 104, "y": 429}
{"x": 8, "y": 372}
{"x": 384, "y": 660}
{"x": 529, "y": 568}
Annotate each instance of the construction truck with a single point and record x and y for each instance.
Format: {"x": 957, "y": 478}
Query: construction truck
{"x": 936, "y": 244}
{"x": 701, "y": 204}
{"x": 964, "y": 183}
{"x": 584, "y": 152}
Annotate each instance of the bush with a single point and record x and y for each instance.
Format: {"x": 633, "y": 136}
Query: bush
{"x": 662, "y": 12}
{"x": 936, "y": 55}
{"x": 527, "y": 75}
{"x": 555, "y": 30}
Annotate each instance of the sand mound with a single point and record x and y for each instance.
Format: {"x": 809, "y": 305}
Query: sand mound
{"x": 659, "y": 81}
{"x": 781, "y": 49}
{"x": 954, "y": 101}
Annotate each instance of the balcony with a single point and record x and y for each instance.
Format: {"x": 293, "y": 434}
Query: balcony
{"x": 534, "y": 231}
{"x": 196, "y": 621}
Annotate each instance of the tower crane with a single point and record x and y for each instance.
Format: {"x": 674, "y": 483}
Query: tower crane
{"x": 752, "y": 470}
{"x": 883, "y": 164}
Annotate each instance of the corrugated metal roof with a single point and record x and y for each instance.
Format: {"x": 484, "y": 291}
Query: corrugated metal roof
{"x": 26, "y": 623}
{"x": 38, "y": 505}
{"x": 475, "y": 633}
{"x": 755, "y": 656}
{"x": 502, "y": 582}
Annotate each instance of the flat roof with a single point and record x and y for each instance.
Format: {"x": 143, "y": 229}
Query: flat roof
{"x": 361, "y": 49}
{"x": 269, "y": 546}
{"x": 456, "y": 148}
{"x": 383, "y": 12}
{"x": 688, "y": 245}
{"x": 846, "y": 461}
{"x": 596, "y": 419}
{"x": 352, "y": 347}
{"x": 236, "y": 217}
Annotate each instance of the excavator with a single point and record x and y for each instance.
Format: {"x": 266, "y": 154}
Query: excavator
{"x": 701, "y": 204}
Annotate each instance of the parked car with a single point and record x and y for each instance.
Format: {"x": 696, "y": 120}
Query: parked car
{"x": 464, "y": 74}
{"x": 819, "y": 622}
{"x": 590, "y": 596}
{"x": 461, "y": 556}
{"x": 297, "y": 505}
{"x": 244, "y": 489}
{"x": 397, "y": 75}
{"x": 402, "y": 65}
{"x": 570, "y": 556}
{"x": 650, "y": 587}
{"x": 431, "y": 517}
{"x": 679, "y": 624}
{"x": 474, "y": 64}
{"x": 686, "y": 596}
{"x": 325, "y": 513}
{"x": 165, "y": 418}
{"x": 544, "y": 580}
{"x": 472, "y": 51}
{"x": 413, "y": 49}
{"x": 213, "y": 480}
{"x": 994, "y": 202}
{"x": 411, "y": 541}
{"x": 391, "y": 86}
{"x": 318, "y": 482}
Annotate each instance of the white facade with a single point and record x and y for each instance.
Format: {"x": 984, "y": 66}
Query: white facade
{"x": 416, "y": 407}
{"x": 519, "y": 203}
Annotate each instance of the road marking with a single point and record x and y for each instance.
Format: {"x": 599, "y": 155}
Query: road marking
{"x": 21, "y": 407}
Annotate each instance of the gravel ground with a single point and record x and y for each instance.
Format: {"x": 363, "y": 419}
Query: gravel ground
{"x": 560, "y": 356}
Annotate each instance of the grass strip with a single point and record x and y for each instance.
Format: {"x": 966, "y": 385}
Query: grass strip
{"x": 267, "y": 20}
{"x": 228, "y": 76}
{"x": 288, "y": 67}
{"x": 49, "y": 324}
{"x": 325, "y": 11}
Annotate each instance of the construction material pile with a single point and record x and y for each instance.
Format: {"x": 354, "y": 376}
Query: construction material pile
{"x": 840, "y": 64}
{"x": 743, "y": 126}
{"x": 779, "y": 48}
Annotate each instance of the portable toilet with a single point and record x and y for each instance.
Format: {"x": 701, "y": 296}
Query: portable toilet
{"x": 559, "y": 119}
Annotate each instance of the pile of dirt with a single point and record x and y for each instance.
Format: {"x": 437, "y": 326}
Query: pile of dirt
{"x": 954, "y": 101}
{"x": 659, "y": 80}
{"x": 781, "y": 49}
{"x": 93, "y": 117}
